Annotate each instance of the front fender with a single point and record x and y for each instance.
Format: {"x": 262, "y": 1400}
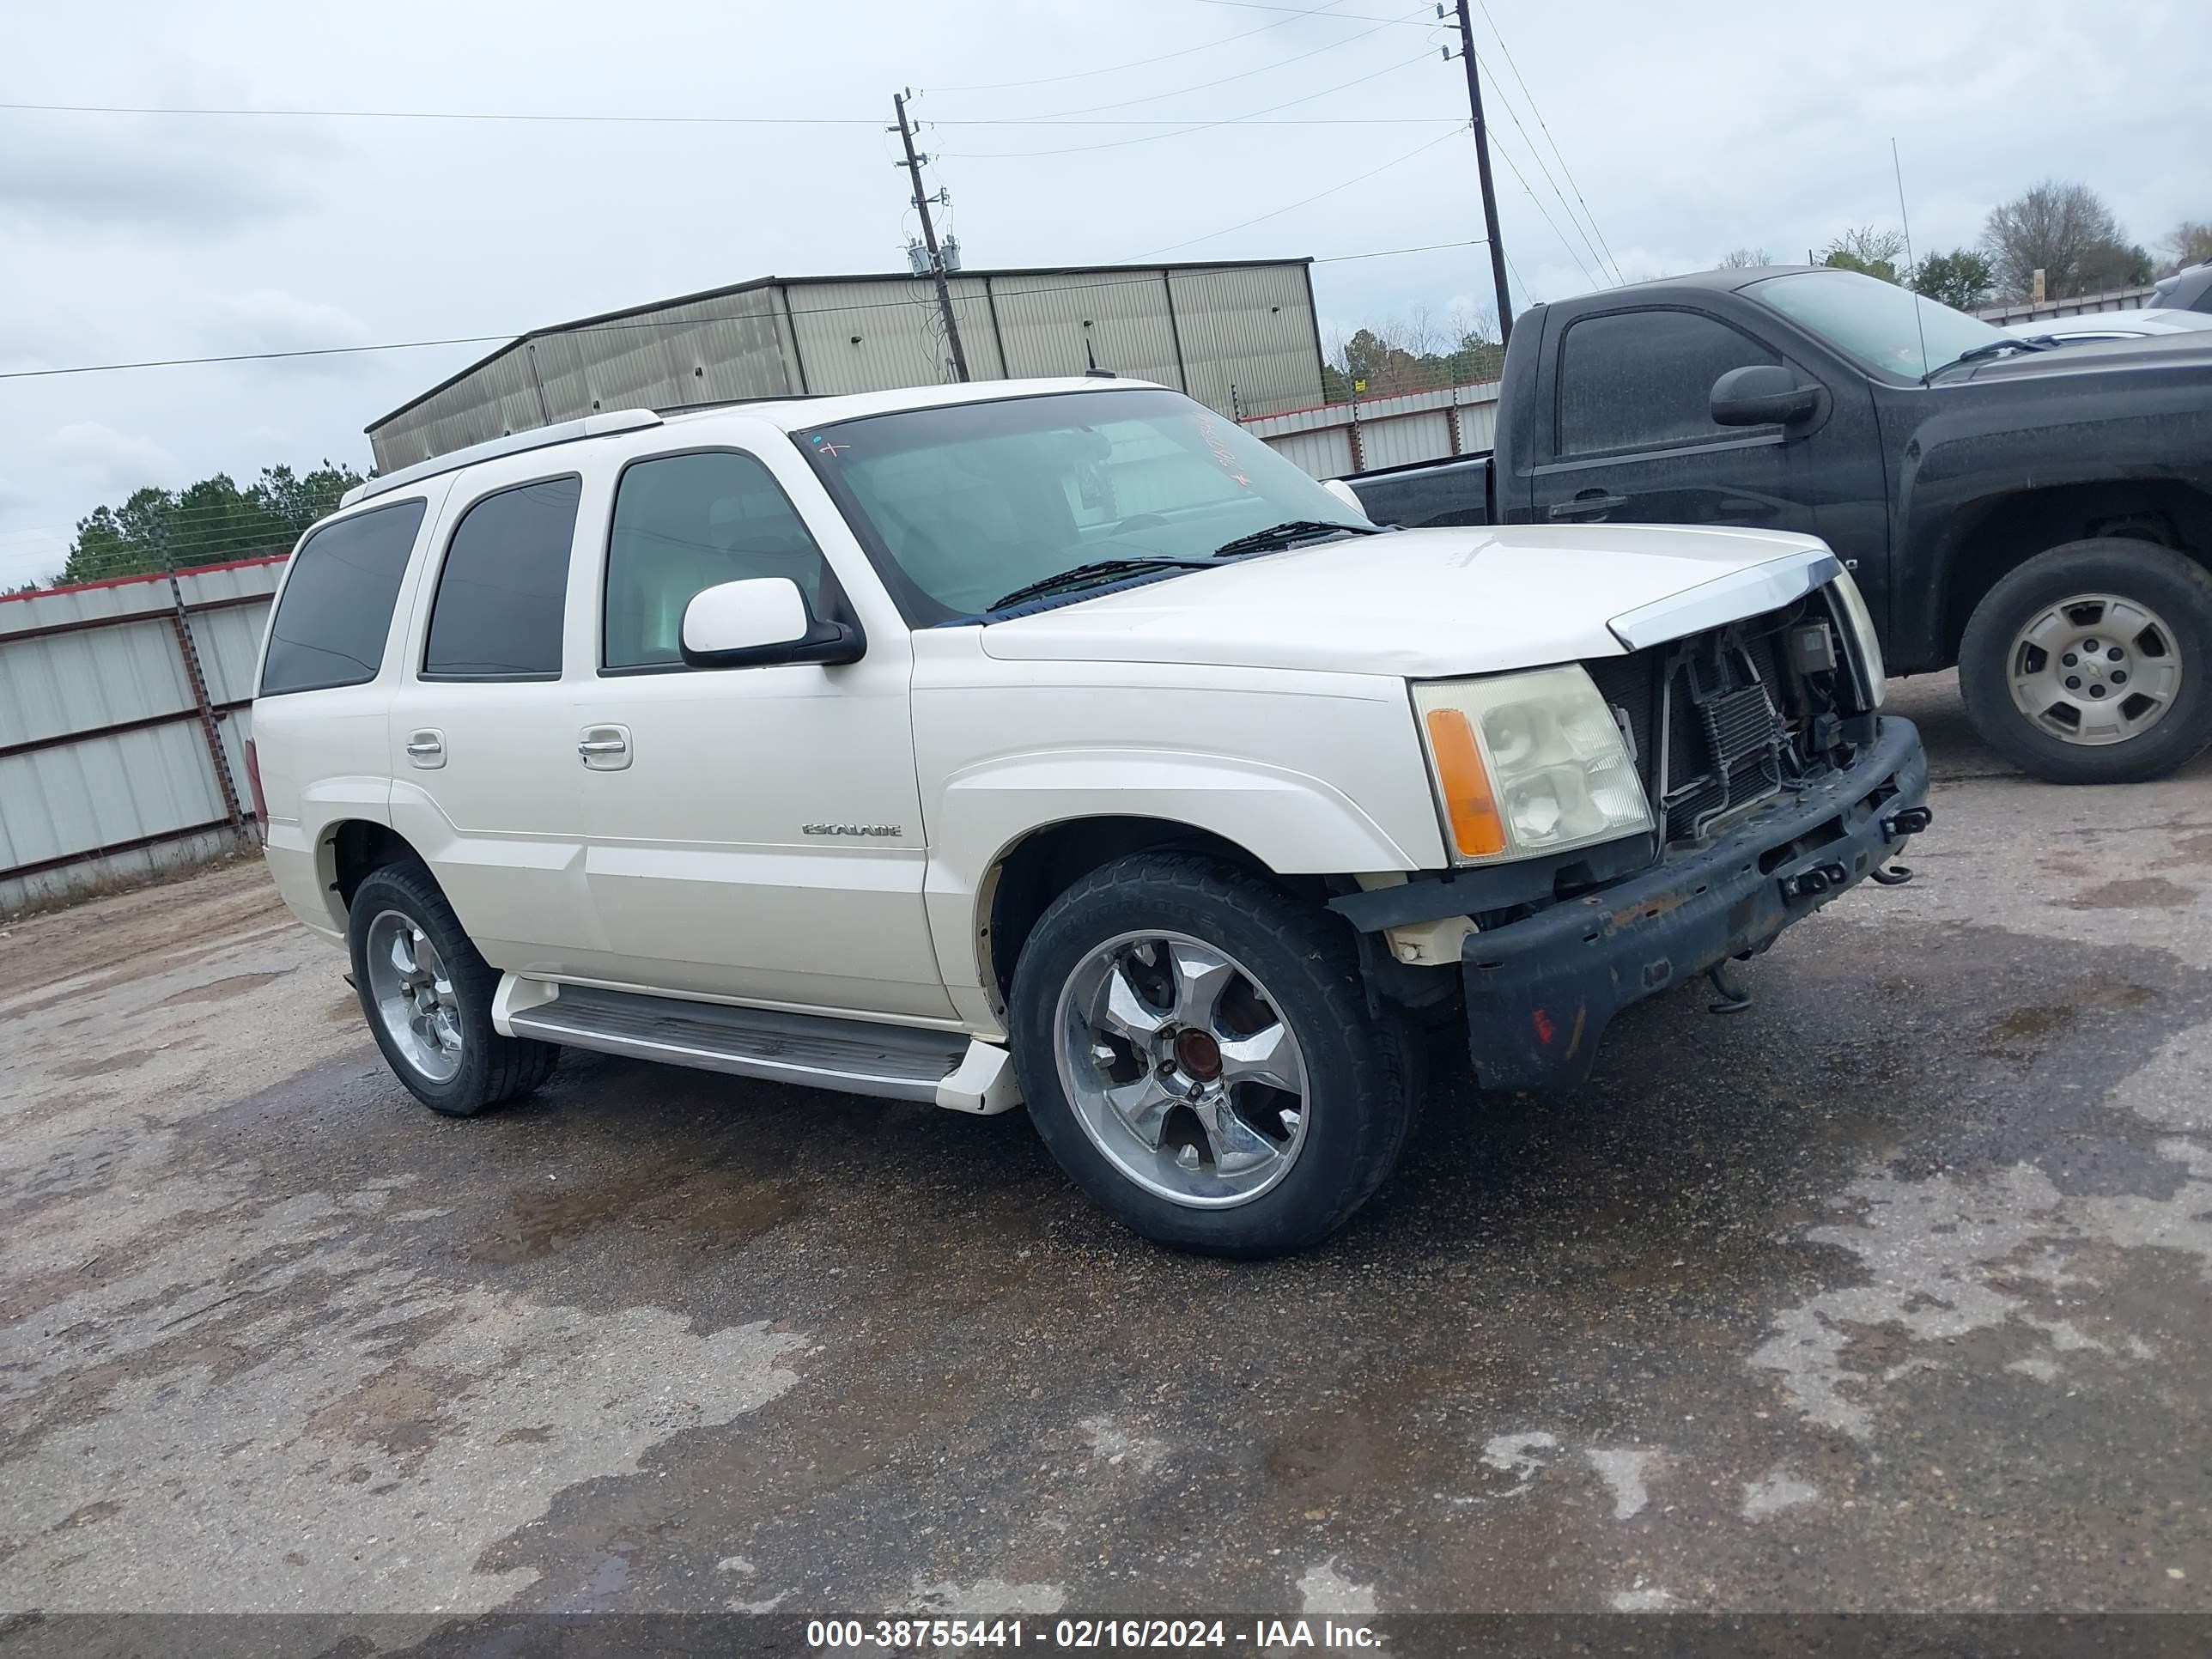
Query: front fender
{"x": 1291, "y": 822}
{"x": 2000, "y": 439}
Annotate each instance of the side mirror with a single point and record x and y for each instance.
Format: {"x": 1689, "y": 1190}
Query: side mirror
{"x": 1763, "y": 394}
{"x": 764, "y": 620}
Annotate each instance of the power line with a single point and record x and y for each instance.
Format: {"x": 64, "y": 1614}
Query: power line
{"x": 1537, "y": 202}
{"x": 1240, "y": 74}
{"x": 1148, "y": 279}
{"x": 1183, "y": 132}
{"x": 656, "y": 120}
{"x": 1536, "y": 110}
{"x": 1303, "y": 201}
{"x": 1533, "y": 299}
{"x": 1138, "y": 63}
{"x": 1349, "y": 17}
{"x": 1538, "y": 156}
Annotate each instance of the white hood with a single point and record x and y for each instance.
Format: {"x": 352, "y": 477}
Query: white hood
{"x": 1429, "y": 603}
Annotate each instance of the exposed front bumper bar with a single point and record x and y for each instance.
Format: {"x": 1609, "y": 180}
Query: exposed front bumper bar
{"x": 1541, "y": 992}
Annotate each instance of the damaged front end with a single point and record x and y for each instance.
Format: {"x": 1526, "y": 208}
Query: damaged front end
{"x": 1775, "y": 784}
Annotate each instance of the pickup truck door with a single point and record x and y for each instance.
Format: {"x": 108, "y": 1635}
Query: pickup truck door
{"x": 1632, "y": 435}
{"x": 753, "y": 833}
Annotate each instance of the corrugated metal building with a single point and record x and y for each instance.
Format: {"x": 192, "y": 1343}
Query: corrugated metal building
{"x": 1240, "y": 337}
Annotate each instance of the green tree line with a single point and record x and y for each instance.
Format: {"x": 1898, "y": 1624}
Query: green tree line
{"x": 206, "y": 523}
{"x": 2065, "y": 231}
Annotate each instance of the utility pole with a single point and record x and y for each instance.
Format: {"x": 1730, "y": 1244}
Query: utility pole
{"x": 1482, "y": 170}
{"x": 929, "y": 238}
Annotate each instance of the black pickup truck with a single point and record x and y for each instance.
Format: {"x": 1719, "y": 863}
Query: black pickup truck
{"x": 2039, "y": 515}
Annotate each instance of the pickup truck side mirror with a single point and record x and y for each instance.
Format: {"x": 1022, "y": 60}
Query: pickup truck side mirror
{"x": 1762, "y": 394}
{"x": 759, "y": 622}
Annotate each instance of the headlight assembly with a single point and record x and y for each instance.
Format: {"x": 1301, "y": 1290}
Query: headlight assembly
{"x": 1527, "y": 764}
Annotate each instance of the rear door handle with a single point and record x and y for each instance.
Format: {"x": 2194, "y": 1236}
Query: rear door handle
{"x": 426, "y": 749}
{"x": 604, "y": 748}
{"x": 1591, "y": 504}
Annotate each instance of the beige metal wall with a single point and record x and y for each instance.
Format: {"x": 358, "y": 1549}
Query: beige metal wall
{"x": 1340, "y": 439}
{"x": 105, "y": 774}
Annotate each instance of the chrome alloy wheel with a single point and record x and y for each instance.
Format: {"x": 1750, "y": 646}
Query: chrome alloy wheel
{"x": 414, "y": 995}
{"x": 2095, "y": 669}
{"x": 1181, "y": 1069}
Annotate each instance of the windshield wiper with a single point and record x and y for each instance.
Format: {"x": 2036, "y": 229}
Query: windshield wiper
{"x": 1291, "y": 530}
{"x": 1990, "y": 348}
{"x": 1083, "y": 575}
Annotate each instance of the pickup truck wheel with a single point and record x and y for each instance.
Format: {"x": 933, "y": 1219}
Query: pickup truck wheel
{"x": 1196, "y": 1051}
{"x": 2092, "y": 663}
{"x": 428, "y": 996}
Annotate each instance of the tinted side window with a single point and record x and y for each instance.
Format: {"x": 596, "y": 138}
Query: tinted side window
{"x": 1646, "y": 377}
{"x": 686, "y": 522}
{"x": 336, "y": 610}
{"x": 498, "y": 613}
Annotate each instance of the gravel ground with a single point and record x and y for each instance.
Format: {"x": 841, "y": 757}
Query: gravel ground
{"x": 1887, "y": 1294}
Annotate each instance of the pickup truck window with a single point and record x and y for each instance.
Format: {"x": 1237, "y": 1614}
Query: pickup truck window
{"x": 1877, "y": 324}
{"x": 962, "y": 504}
{"x": 498, "y": 610}
{"x": 686, "y": 522}
{"x": 1632, "y": 379}
{"x": 331, "y": 624}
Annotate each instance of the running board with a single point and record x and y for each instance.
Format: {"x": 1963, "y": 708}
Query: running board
{"x": 860, "y": 1057}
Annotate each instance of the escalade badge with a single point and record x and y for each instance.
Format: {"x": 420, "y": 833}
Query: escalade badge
{"x": 869, "y": 829}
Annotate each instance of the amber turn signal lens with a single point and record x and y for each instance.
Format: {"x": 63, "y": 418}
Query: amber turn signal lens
{"x": 1468, "y": 803}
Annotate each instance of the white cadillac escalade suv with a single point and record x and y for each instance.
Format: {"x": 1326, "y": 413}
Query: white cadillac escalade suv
{"x": 1050, "y": 743}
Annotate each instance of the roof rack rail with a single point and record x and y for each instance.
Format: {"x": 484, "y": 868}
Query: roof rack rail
{"x": 515, "y": 443}
{"x": 737, "y": 402}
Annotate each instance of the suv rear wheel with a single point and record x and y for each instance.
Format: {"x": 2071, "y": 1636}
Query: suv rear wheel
{"x": 1196, "y": 1050}
{"x": 428, "y": 996}
{"x": 2092, "y": 663}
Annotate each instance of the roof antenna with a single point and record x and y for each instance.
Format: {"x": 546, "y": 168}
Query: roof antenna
{"x": 1898, "y": 168}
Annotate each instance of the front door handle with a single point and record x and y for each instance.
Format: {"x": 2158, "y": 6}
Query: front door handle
{"x": 426, "y": 749}
{"x": 1591, "y": 504}
{"x": 604, "y": 748}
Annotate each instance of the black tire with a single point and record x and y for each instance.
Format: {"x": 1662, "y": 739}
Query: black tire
{"x": 2170, "y": 584}
{"x": 1360, "y": 1072}
{"x": 493, "y": 1068}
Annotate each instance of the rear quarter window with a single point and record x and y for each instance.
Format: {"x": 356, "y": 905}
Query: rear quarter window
{"x": 336, "y": 613}
{"x": 497, "y": 612}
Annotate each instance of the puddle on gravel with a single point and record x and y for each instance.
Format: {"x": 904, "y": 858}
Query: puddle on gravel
{"x": 2140, "y": 893}
{"x": 100, "y": 1067}
{"x": 223, "y": 989}
{"x": 709, "y": 1205}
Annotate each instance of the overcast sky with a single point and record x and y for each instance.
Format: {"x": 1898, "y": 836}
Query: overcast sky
{"x": 1690, "y": 130}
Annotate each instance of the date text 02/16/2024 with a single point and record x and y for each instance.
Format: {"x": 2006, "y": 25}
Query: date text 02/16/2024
{"x": 890, "y": 1635}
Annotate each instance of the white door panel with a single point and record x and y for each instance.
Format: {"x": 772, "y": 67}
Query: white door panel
{"x": 497, "y": 818}
{"x": 700, "y": 866}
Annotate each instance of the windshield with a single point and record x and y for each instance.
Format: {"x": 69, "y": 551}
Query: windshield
{"x": 1878, "y": 324}
{"x": 970, "y": 502}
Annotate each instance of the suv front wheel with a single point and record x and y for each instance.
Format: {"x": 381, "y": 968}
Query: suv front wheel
{"x": 428, "y": 996}
{"x": 2092, "y": 663}
{"x": 1197, "y": 1052}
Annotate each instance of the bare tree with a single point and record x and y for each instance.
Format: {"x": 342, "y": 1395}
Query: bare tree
{"x": 2189, "y": 243}
{"x": 1745, "y": 259}
{"x": 2064, "y": 230}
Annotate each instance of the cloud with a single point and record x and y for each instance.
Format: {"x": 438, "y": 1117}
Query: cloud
{"x": 34, "y": 555}
{"x": 274, "y": 320}
{"x": 113, "y": 173}
{"x": 104, "y": 459}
